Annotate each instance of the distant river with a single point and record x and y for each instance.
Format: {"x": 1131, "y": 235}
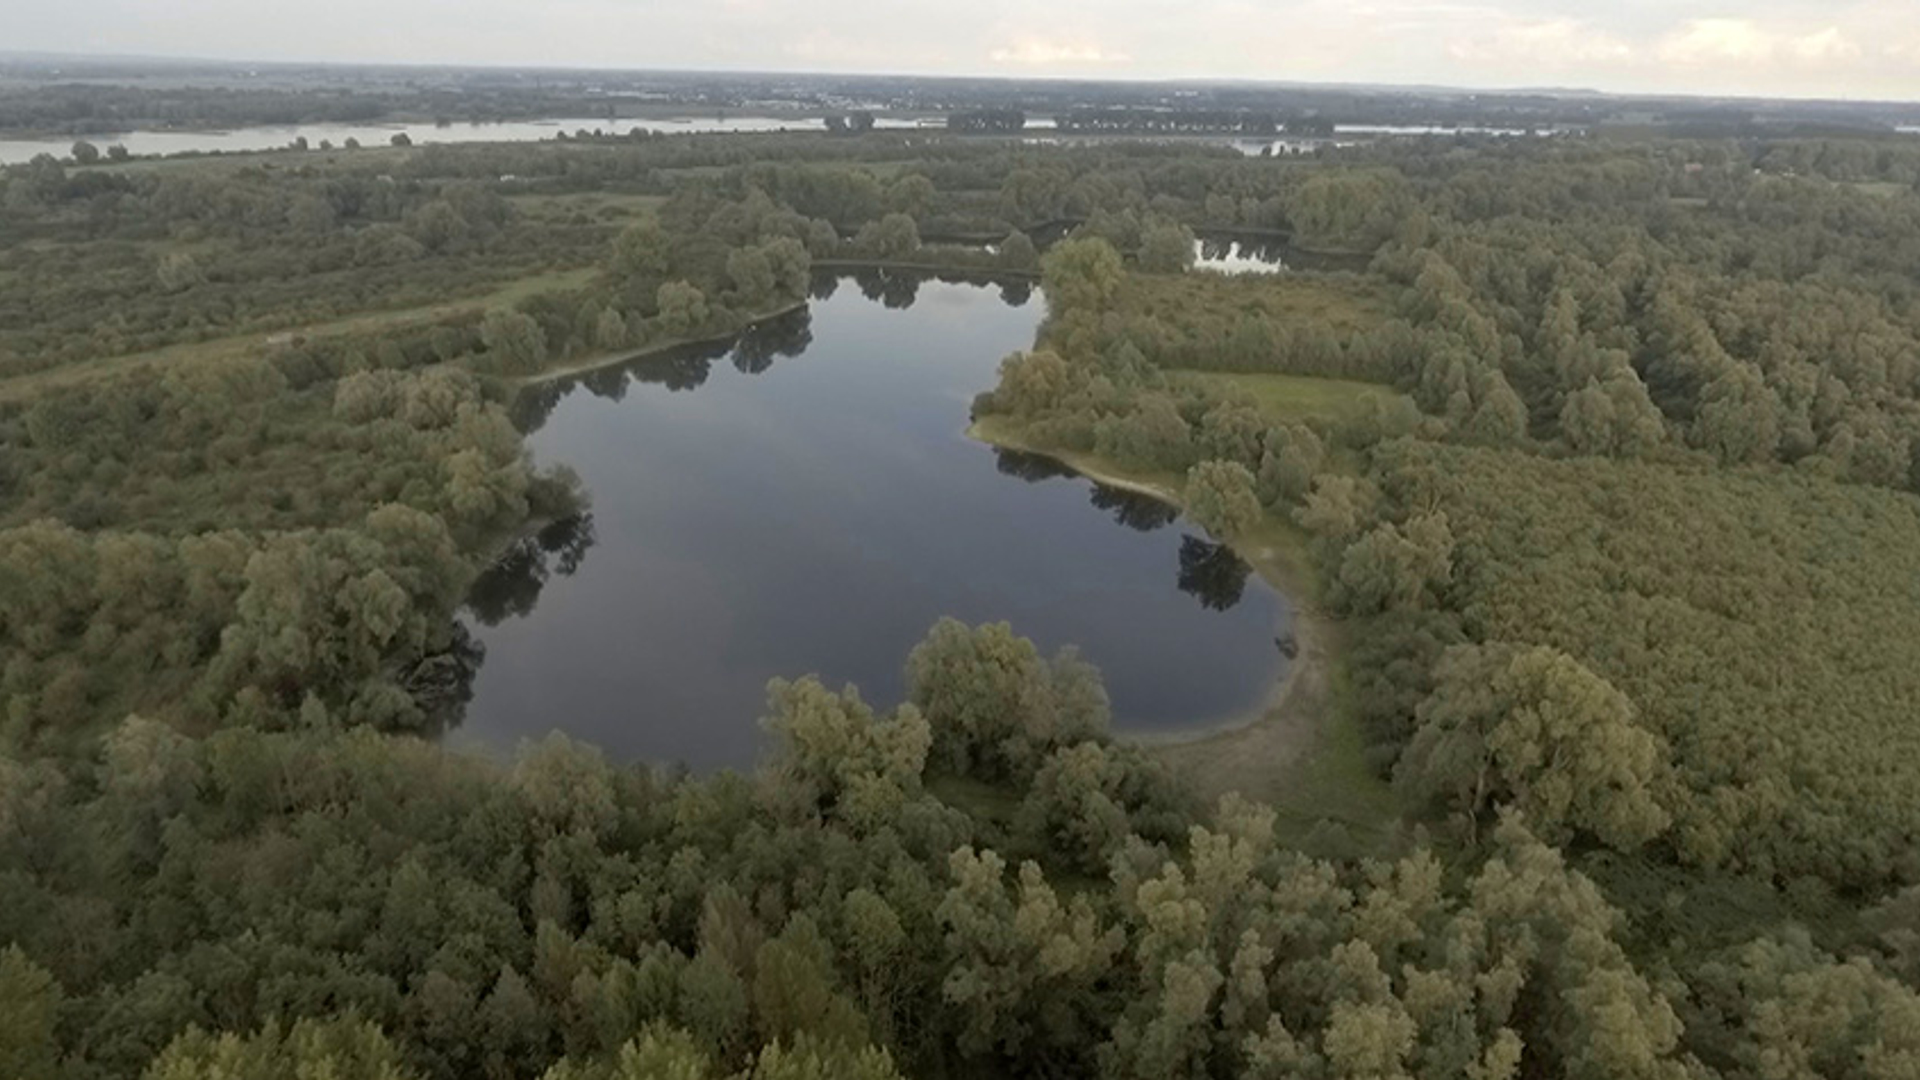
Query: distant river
{"x": 15, "y": 151}
{"x": 806, "y": 501}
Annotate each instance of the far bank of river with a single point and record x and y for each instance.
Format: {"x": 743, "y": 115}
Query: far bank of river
{"x": 16, "y": 151}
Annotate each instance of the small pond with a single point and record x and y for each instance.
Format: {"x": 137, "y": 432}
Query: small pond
{"x": 1225, "y": 253}
{"x": 806, "y": 500}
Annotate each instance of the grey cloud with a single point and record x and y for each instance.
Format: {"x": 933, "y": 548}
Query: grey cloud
{"x": 1849, "y": 47}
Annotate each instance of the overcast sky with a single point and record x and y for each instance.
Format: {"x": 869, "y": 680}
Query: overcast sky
{"x": 1802, "y": 48}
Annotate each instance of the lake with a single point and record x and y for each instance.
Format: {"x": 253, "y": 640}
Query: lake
{"x": 807, "y": 501}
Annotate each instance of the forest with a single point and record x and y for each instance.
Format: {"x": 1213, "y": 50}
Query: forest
{"x": 1598, "y": 457}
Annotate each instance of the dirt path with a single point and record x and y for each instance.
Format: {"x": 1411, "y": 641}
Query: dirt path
{"x": 20, "y": 387}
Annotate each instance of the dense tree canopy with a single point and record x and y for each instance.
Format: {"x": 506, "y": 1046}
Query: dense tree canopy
{"x": 1597, "y": 456}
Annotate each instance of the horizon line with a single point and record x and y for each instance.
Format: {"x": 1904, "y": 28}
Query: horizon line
{"x": 1566, "y": 92}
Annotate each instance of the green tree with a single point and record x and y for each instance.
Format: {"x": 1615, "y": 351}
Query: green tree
{"x": 1739, "y": 417}
{"x": 343, "y": 1049}
{"x": 1220, "y": 498}
{"x": 1349, "y": 210}
{"x": 791, "y": 265}
{"x": 610, "y": 332}
{"x": 837, "y": 760}
{"x": 1289, "y": 458}
{"x": 893, "y": 238}
{"x": 794, "y": 993}
{"x": 179, "y": 271}
{"x": 910, "y": 194}
{"x": 1081, "y": 274}
{"x": 30, "y": 1004}
{"x": 752, "y": 275}
{"x": 1166, "y": 248}
{"x": 1499, "y": 416}
{"x": 514, "y": 341}
{"x": 1033, "y": 384}
{"x": 640, "y": 255}
{"x": 994, "y": 706}
{"x": 818, "y": 1059}
{"x": 1021, "y": 965}
{"x": 1392, "y": 566}
{"x": 659, "y": 1053}
{"x": 1018, "y": 253}
{"x": 1533, "y": 729}
{"x": 1152, "y": 433}
{"x": 1587, "y": 421}
{"x": 683, "y": 308}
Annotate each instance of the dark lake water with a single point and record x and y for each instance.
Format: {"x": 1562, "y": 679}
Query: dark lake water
{"x": 807, "y": 502}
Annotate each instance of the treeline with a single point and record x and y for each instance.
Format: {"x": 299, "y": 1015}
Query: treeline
{"x": 133, "y": 261}
{"x": 1767, "y": 327}
{"x": 1671, "y": 585}
{"x": 86, "y": 108}
{"x": 831, "y": 915}
{"x": 996, "y": 121}
{"x": 253, "y": 554}
{"x": 1175, "y": 121}
{"x": 1569, "y": 561}
{"x": 1437, "y": 556}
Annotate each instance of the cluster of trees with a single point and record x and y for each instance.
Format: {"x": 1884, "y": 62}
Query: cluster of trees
{"x": 250, "y": 553}
{"x": 1608, "y": 564}
{"x": 1093, "y": 388}
{"x": 994, "y": 121}
{"x": 134, "y": 261}
{"x": 831, "y": 915}
{"x": 1670, "y": 586}
{"x": 1460, "y": 560}
{"x": 1188, "y": 121}
{"x": 84, "y": 106}
{"x": 1760, "y": 320}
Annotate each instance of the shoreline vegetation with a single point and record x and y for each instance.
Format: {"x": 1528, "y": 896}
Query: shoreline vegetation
{"x": 1303, "y": 730}
{"x": 846, "y": 267}
{"x": 600, "y": 361}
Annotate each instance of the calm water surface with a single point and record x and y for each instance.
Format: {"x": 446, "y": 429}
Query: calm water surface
{"x": 808, "y": 502}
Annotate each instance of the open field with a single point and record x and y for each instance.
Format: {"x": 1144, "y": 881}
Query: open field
{"x": 1299, "y": 397}
{"x": 29, "y": 385}
{"x": 1342, "y": 303}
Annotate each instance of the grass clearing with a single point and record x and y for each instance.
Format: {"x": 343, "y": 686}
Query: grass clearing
{"x": 29, "y": 385}
{"x": 599, "y": 206}
{"x": 1302, "y": 397}
{"x": 1344, "y": 303}
{"x": 1880, "y": 189}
